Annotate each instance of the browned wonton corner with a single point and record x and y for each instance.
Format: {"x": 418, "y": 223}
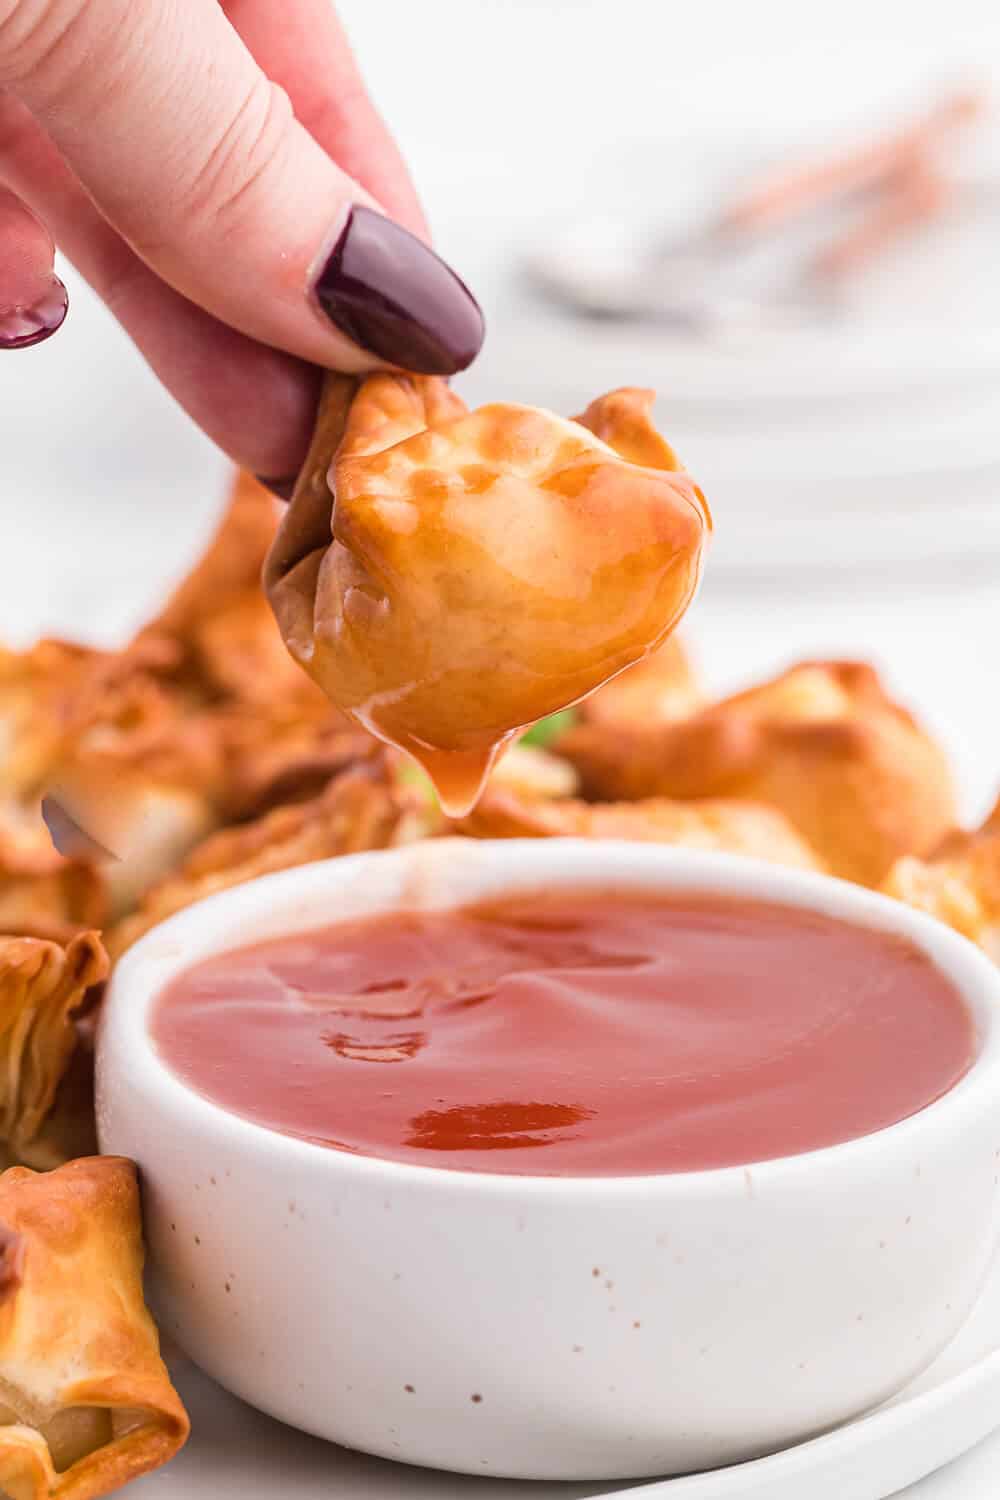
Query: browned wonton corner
{"x": 86, "y": 1403}
{"x": 42, "y": 985}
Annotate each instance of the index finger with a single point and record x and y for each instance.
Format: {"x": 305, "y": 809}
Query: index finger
{"x": 197, "y": 159}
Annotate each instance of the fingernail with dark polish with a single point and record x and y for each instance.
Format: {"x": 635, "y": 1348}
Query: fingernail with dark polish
{"x": 22, "y": 325}
{"x": 394, "y": 297}
{"x": 283, "y": 488}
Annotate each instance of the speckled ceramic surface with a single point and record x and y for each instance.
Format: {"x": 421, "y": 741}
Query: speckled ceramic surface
{"x": 946, "y": 1415}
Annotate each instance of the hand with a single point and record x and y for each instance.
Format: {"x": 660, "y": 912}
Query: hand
{"x": 220, "y": 176}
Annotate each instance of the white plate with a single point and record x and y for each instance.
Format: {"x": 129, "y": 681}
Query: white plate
{"x": 235, "y": 1452}
{"x": 921, "y": 318}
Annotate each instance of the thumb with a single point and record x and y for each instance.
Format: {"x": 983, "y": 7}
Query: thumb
{"x": 197, "y": 159}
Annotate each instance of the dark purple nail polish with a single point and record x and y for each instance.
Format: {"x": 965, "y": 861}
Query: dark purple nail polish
{"x": 283, "y": 488}
{"x": 398, "y": 300}
{"x": 21, "y": 326}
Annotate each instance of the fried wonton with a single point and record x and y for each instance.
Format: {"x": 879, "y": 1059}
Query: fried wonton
{"x": 534, "y": 774}
{"x": 275, "y": 759}
{"x": 241, "y": 658}
{"x": 449, "y": 577}
{"x": 624, "y": 420}
{"x": 56, "y": 692}
{"x": 128, "y": 693}
{"x": 959, "y": 883}
{"x": 734, "y": 827}
{"x": 116, "y": 739}
{"x": 151, "y": 759}
{"x": 228, "y": 646}
{"x": 364, "y": 808}
{"x": 70, "y": 1128}
{"x": 40, "y": 888}
{"x": 142, "y": 777}
{"x": 137, "y": 826}
{"x": 655, "y": 691}
{"x": 823, "y": 742}
{"x": 38, "y": 689}
{"x": 137, "y": 800}
{"x": 42, "y": 985}
{"x": 229, "y": 567}
{"x": 86, "y": 1403}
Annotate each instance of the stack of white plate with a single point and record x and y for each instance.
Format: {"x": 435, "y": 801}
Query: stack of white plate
{"x": 858, "y": 435}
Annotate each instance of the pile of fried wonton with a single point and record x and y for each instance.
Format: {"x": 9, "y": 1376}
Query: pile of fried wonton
{"x": 202, "y": 756}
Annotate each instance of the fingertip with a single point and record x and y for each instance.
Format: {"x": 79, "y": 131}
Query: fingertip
{"x": 395, "y": 298}
{"x": 29, "y": 322}
{"x": 33, "y": 301}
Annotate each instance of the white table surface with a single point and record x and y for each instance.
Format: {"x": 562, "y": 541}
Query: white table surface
{"x": 974, "y": 1477}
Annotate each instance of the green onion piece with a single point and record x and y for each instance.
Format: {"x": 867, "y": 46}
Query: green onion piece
{"x": 547, "y": 730}
{"x": 415, "y": 776}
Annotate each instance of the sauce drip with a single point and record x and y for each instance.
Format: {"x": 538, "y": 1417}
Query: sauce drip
{"x": 586, "y": 1034}
{"x": 458, "y": 777}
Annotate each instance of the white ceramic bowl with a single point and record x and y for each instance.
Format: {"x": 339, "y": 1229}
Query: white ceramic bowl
{"x": 540, "y": 1327}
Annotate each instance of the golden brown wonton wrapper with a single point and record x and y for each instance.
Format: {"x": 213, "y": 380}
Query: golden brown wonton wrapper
{"x": 70, "y": 1128}
{"x": 39, "y": 888}
{"x": 86, "y": 1403}
{"x": 478, "y": 570}
{"x": 274, "y": 760}
{"x": 823, "y": 742}
{"x": 146, "y": 825}
{"x": 119, "y": 740}
{"x": 56, "y": 693}
{"x": 37, "y": 689}
{"x": 655, "y": 691}
{"x": 364, "y": 808}
{"x": 125, "y": 694}
{"x": 733, "y": 827}
{"x": 624, "y": 420}
{"x": 142, "y": 777}
{"x": 228, "y": 645}
{"x": 42, "y": 985}
{"x": 959, "y": 883}
{"x": 241, "y": 658}
{"x": 140, "y": 754}
{"x": 534, "y": 774}
{"x": 228, "y": 568}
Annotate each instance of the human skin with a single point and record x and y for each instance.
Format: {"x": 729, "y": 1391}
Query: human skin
{"x": 219, "y": 174}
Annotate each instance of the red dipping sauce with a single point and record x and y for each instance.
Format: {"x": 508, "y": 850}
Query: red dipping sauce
{"x": 584, "y": 1034}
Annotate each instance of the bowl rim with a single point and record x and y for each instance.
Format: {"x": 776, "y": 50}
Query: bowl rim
{"x": 159, "y": 957}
